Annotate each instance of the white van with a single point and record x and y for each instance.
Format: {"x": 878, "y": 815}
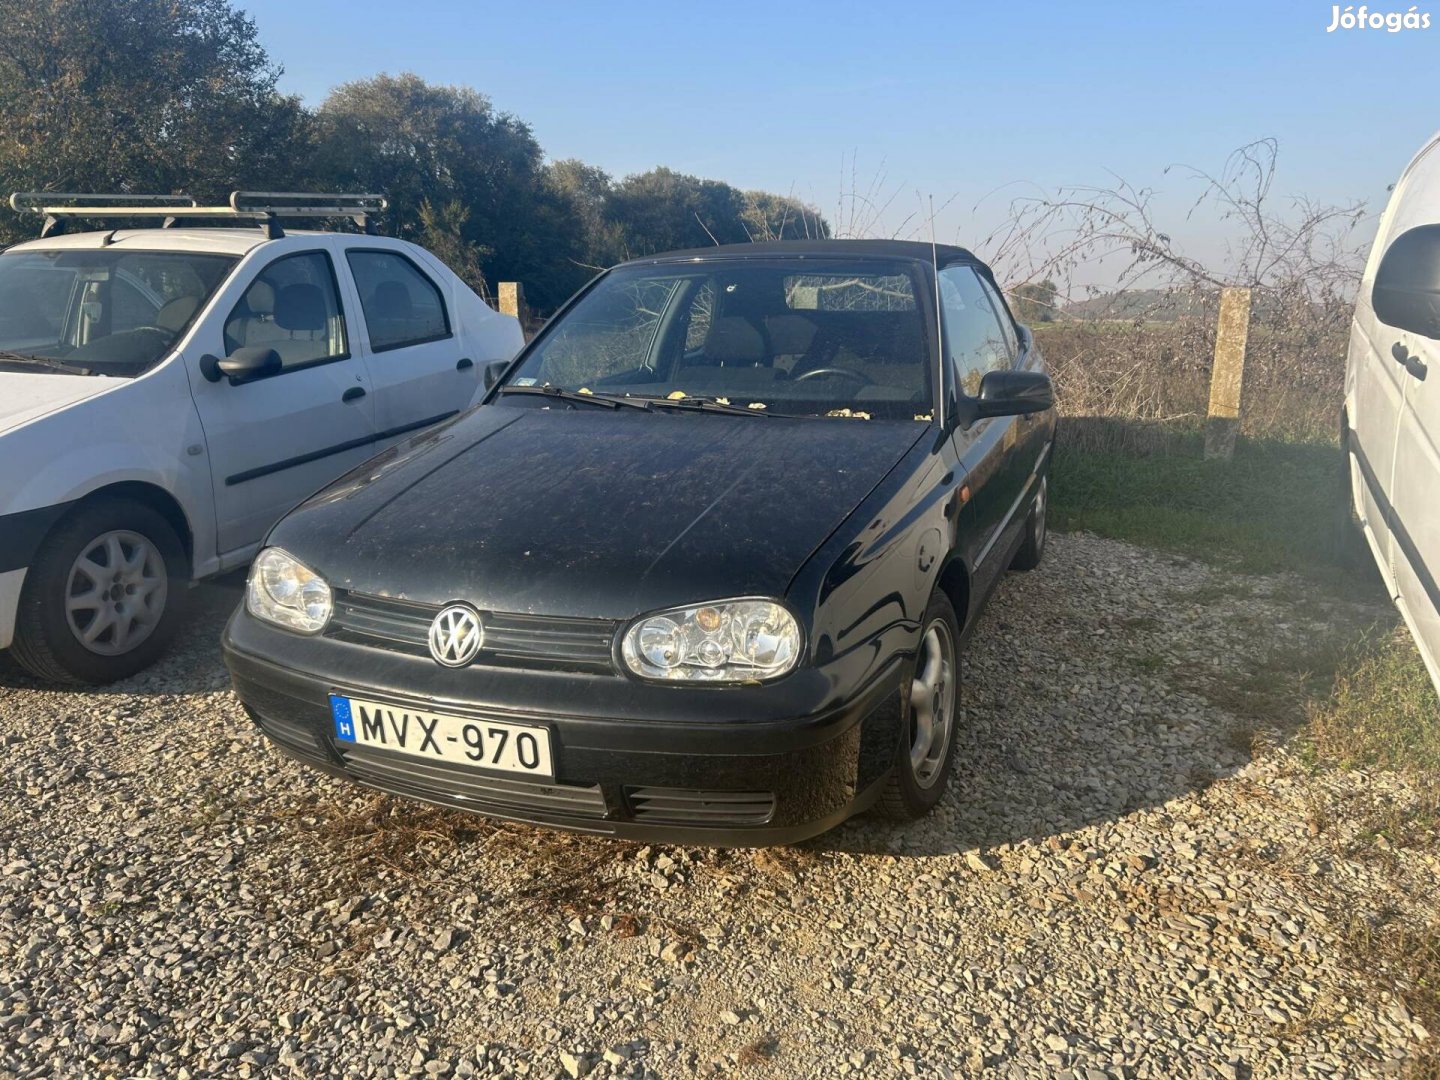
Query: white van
{"x": 1391, "y": 423}
{"x": 168, "y": 393}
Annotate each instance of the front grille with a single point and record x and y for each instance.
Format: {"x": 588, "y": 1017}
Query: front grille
{"x": 511, "y": 640}
{"x": 469, "y": 790}
{"x": 685, "y": 806}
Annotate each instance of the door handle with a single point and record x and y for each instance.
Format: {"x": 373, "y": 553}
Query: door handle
{"x": 464, "y": 364}
{"x": 1413, "y": 364}
{"x": 355, "y": 393}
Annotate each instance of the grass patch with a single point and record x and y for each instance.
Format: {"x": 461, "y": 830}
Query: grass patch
{"x": 1274, "y": 507}
{"x": 1383, "y": 711}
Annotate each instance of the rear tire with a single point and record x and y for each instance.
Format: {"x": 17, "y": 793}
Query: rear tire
{"x": 926, "y": 755}
{"x": 104, "y": 596}
{"x": 1037, "y": 529}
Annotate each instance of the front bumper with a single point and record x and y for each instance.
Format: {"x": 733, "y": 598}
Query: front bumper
{"x": 740, "y": 776}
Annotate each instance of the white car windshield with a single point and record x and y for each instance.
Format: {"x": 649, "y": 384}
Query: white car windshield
{"x": 102, "y": 311}
{"x": 813, "y": 337}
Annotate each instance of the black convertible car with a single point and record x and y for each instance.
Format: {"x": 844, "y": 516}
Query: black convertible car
{"x": 700, "y": 568}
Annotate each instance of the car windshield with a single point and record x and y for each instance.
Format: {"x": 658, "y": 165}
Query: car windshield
{"x": 813, "y": 337}
{"x": 104, "y": 311}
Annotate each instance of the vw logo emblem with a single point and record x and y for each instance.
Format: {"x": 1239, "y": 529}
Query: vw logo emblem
{"x": 456, "y": 635}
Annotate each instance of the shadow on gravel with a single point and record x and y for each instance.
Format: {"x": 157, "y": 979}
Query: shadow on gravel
{"x": 189, "y": 666}
{"x": 1092, "y": 691}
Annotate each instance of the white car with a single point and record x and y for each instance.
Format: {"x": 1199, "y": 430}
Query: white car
{"x": 167, "y": 394}
{"x": 1391, "y": 424}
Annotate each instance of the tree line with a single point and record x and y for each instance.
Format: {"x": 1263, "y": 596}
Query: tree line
{"x": 171, "y": 96}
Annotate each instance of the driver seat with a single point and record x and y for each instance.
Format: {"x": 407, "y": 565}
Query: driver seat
{"x": 175, "y": 315}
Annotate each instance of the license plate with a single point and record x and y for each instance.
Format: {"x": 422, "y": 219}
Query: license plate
{"x": 460, "y": 740}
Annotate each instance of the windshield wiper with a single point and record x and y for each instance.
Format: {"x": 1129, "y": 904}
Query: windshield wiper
{"x": 7, "y": 357}
{"x": 588, "y": 398}
{"x": 704, "y": 404}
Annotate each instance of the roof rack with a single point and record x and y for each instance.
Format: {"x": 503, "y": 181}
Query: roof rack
{"x": 263, "y": 207}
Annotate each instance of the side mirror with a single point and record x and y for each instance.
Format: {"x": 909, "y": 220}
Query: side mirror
{"x": 1406, "y": 294}
{"x": 492, "y": 371}
{"x": 243, "y": 365}
{"x": 1014, "y": 393}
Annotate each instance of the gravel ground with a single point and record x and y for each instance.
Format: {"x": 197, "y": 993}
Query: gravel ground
{"x": 1112, "y": 886}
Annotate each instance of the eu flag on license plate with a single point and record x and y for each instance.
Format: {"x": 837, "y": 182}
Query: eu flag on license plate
{"x": 344, "y": 723}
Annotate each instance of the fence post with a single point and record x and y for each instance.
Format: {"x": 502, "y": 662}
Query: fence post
{"x": 512, "y": 300}
{"x": 1228, "y": 374}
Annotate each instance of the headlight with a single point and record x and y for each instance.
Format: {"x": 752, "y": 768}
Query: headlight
{"x": 284, "y": 591}
{"x": 728, "y": 641}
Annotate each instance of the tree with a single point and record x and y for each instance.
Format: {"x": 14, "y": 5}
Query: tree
{"x": 662, "y": 209}
{"x": 1035, "y": 301}
{"x": 779, "y": 217}
{"x": 478, "y": 171}
{"x": 139, "y": 95}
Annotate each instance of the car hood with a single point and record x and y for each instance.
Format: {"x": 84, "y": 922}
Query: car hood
{"x": 592, "y": 513}
{"x": 25, "y": 395}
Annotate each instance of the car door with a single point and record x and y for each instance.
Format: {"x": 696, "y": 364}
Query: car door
{"x": 274, "y": 440}
{"x": 1413, "y": 517}
{"x": 1376, "y": 382}
{"x": 974, "y": 346}
{"x": 419, "y": 371}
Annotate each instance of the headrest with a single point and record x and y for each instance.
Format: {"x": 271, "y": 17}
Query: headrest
{"x": 390, "y": 300}
{"x": 790, "y": 335}
{"x": 174, "y": 314}
{"x": 300, "y": 307}
{"x": 734, "y": 342}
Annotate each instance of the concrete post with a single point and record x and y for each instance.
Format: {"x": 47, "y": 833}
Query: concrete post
{"x": 512, "y": 299}
{"x": 1227, "y": 375}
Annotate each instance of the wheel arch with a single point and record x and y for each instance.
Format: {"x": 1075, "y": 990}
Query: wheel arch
{"x": 156, "y": 498}
{"x": 954, "y": 582}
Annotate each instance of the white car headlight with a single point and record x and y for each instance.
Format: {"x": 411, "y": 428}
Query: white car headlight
{"x": 284, "y": 591}
{"x": 727, "y": 641}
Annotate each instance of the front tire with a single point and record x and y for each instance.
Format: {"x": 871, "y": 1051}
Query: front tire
{"x": 103, "y": 598}
{"x": 926, "y": 755}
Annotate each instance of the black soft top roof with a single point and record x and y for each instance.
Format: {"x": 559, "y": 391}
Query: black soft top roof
{"x": 892, "y": 249}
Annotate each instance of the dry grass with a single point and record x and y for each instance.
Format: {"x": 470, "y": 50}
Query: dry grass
{"x": 1408, "y": 954}
{"x": 1153, "y": 379}
{"x": 759, "y": 1052}
{"x": 1383, "y": 710}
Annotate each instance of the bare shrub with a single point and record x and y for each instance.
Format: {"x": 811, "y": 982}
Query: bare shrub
{"x": 1143, "y": 352}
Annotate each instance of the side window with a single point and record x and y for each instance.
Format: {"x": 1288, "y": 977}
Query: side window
{"x": 1002, "y": 316}
{"x": 974, "y": 342}
{"x": 402, "y": 306}
{"x": 292, "y": 307}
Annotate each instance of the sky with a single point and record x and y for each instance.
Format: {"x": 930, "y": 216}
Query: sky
{"x": 964, "y": 103}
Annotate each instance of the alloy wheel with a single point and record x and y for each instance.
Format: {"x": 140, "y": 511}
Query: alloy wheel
{"x": 932, "y": 704}
{"x": 115, "y": 592}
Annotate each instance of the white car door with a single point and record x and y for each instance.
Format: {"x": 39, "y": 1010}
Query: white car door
{"x": 277, "y": 438}
{"x": 415, "y": 357}
{"x": 1415, "y": 358}
{"x": 1376, "y": 381}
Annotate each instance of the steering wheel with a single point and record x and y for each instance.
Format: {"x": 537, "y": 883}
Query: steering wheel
{"x": 844, "y": 373}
